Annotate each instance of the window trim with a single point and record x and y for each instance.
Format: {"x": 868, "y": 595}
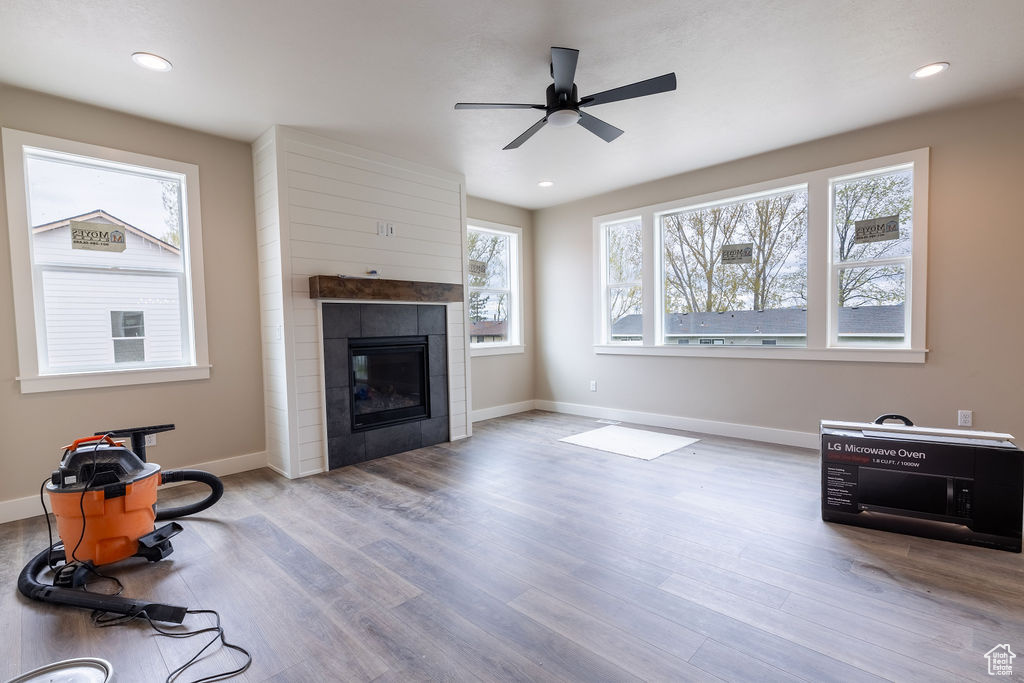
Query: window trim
{"x": 22, "y": 269}
{"x": 819, "y": 269}
{"x": 918, "y": 254}
{"x": 604, "y": 331}
{"x": 515, "y": 344}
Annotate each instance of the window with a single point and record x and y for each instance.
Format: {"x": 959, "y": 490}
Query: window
{"x": 623, "y": 263}
{"x": 107, "y": 265}
{"x": 495, "y": 294}
{"x": 737, "y": 269}
{"x": 829, "y": 264}
{"x": 872, "y": 246}
{"x": 128, "y": 332}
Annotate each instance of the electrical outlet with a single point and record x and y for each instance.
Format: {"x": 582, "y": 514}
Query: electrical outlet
{"x": 593, "y": 385}
{"x": 150, "y": 440}
{"x": 965, "y": 418}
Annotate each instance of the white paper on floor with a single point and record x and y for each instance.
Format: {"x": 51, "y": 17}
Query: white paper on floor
{"x": 636, "y": 443}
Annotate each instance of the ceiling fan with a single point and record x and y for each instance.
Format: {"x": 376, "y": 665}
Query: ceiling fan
{"x": 563, "y": 104}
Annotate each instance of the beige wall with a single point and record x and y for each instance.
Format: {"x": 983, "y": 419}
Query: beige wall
{"x": 975, "y": 312}
{"x": 500, "y": 380}
{"x": 216, "y": 418}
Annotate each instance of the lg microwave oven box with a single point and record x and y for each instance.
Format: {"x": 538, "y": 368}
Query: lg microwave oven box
{"x": 949, "y": 484}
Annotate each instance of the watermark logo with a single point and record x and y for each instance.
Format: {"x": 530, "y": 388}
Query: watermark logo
{"x": 1000, "y": 660}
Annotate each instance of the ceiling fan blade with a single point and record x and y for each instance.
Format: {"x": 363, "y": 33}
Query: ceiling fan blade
{"x": 605, "y": 131}
{"x": 497, "y": 105}
{"x": 563, "y": 68}
{"x": 527, "y": 135}
{"x": 651, "y": 86}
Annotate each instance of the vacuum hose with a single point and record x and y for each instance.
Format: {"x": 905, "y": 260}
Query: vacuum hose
{"x": 31, "y": 587}
{"x": 216, "y": 491}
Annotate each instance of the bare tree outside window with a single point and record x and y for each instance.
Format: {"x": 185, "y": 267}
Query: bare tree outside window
{"x": 777, "y": 227}
{"x": 697, "y": 281}
{"x": 491, "y": 283}
{"x": 170, "y": 196}
{"x": 862, "y": 199}
{"x": 624, "y": 249}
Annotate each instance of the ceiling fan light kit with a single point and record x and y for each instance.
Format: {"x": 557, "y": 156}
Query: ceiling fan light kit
{"x": 563, "y": 117}
{"x": 563, "y": 104}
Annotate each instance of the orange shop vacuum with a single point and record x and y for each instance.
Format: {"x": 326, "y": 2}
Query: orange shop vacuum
{"x": 104, "y": 498}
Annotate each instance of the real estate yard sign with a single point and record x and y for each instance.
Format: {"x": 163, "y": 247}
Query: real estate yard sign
{"x": 738, "y": 253}
{"x": 96, "y": 236}
{"x": 877, "y": 229}
{"x": 477, "y": 268}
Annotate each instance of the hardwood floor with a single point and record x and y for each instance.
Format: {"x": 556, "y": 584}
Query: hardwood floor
{"x": 511, "y": 556}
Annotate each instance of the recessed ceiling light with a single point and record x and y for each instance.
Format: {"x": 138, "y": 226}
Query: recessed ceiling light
{"x": 546, "y": 183}
{"x": 148, "y": 60}
{"x": 929, "y": 70}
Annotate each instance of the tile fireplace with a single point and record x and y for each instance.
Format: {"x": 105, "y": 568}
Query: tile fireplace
{"x": 385, "y": 379}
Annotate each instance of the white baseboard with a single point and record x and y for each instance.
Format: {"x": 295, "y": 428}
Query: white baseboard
{"x": 277, "y": 469}
{"x": 786, "y": 437}
{"x": 19, "y": 508}
{"x": 23, "y": 508}
{"x": 233, "y": 465}
{"x": 502, "y": 410}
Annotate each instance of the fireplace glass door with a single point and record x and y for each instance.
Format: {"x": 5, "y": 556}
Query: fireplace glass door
{"x": 389, "y": 381}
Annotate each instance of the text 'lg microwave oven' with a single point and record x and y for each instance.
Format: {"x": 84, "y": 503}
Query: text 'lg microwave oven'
{"x": 955, "y": 485}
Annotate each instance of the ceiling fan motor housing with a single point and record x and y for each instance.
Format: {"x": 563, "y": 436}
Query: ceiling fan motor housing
{"x": 562, "y": 111}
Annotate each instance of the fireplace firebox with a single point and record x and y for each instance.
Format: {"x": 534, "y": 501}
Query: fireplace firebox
{"x": 385, "y": 379}
{"x": 390, "y": 384}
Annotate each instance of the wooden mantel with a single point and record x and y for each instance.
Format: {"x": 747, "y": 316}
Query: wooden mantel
{"x": 335, "y": 287}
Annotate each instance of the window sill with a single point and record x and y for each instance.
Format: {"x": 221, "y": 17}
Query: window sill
{"x": 502, "y": 350}
{"x": 111, "y": 378}
{"x": 774, "y": 353}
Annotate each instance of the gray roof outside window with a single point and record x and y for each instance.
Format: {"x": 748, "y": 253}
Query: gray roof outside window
{"x": 860, "y": 320}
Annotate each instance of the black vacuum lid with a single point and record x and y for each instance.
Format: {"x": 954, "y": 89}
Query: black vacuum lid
{"x": 103, "y": 464}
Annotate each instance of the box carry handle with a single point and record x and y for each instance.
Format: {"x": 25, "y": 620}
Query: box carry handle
{"x": 893, "y": 416}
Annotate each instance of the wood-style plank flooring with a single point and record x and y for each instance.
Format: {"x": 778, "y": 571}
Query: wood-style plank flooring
{"x": 511, "y": 556}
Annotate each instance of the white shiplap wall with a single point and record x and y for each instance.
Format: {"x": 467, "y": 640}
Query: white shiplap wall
{"x": 319, "y": 201}
{"x": 278, "y": 411}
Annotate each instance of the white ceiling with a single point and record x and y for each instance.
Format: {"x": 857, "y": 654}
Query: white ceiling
{"x": 385, "y": 74}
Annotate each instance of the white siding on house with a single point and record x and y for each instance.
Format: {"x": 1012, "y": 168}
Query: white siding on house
{"x": 78, "y": 306}
{"x": 329, "y": 198}
{"x": 54, "y": 247}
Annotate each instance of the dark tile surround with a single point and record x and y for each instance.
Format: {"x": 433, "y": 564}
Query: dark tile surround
{"x": 342, "y": 322}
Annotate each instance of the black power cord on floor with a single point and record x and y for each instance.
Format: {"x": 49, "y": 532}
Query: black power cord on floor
{"x": 98, "y": 618}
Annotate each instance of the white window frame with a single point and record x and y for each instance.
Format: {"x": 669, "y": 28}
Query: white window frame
{"x": 28, "y": 318}
{"x": 515, "y": 287}
{"x": 820, "y": 289}
{"x": 773, "y": 188}
{"x": 604, "y": 330}
{"x": 835, "y": 266}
